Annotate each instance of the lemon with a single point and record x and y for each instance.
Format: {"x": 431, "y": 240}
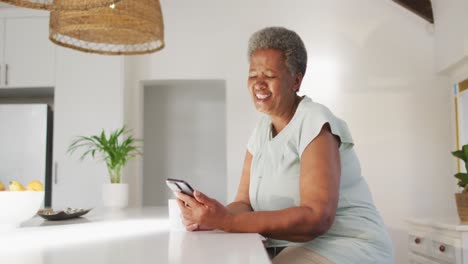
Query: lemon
{"x": 16, "y": 186}
{"x": 2, "y": 187}
{"x": 35, "y": 186}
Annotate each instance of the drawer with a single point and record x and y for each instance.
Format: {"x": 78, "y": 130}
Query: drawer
{"x": 419, "y": 243}
{"x": 447, "y": 250}
{"x": 416, "y": 259}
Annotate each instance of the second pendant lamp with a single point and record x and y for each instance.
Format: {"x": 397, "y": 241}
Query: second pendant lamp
{"x": 127, "y": 27}
{"x": 61, "y": 4}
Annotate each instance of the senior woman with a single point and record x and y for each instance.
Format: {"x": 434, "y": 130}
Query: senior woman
{"x": 301, "y": 184}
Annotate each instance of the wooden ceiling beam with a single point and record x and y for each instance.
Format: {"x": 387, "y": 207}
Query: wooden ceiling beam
{"x": 422, "y": 8}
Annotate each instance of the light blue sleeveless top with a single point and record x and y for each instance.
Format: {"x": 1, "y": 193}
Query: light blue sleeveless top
{"x": 358, "y": 234}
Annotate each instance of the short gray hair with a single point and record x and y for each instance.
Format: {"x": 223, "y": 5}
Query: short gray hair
{"x": 284, "y": 40}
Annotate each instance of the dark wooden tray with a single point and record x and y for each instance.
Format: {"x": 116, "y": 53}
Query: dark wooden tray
{"x": 52, "y": 215}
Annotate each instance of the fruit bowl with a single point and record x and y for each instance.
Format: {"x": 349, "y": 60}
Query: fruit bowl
{"x": 17, "y": 207}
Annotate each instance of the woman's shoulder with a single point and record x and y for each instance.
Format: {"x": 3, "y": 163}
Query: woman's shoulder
{"x": 314, "y": 115}
{"x": 262, "y": 126}
{"x": 264, "y": 122}
{"x": 308, "y": 103}
{"x": 259, "y": 134}
{"x": 309, "y": 108}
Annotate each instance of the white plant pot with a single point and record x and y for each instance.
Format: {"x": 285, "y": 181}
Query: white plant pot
{"x": 115, "y": 195}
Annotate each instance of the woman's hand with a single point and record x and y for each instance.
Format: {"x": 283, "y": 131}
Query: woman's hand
{"x": 202, "y": 213}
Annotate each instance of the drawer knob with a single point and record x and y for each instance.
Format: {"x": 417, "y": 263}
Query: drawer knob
{"x": 442, "y": 248}
{"x": 417, "y": 240}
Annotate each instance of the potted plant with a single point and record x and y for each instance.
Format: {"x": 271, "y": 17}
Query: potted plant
{"x": 115, "y": 149}
{"x": 462, "y": 198}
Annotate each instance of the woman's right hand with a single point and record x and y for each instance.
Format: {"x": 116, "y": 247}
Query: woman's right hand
{"x": 189, "y": 225}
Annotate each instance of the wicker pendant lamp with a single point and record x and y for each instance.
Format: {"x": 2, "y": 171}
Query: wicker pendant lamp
{"x": 126, "y": 28}
{"x": 61, "y": 4}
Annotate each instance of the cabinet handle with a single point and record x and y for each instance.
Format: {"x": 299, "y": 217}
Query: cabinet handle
{"x": 442, "y": 248}
{"x": 6, "y": 74}
{"x": 417, "y": 240}
{"x": 56, "y": 173}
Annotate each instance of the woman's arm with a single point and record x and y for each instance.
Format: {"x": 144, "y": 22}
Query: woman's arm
{"x": 242, "y": 202}
{"x": 319, "y": 186}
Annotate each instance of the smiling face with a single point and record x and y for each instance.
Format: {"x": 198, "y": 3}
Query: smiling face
{"x": 272, "y": 86}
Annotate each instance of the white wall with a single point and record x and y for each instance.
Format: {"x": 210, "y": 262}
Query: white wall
{"x": 88, "y": 98}
{"x": 371, "y": 62}
{"x": 458, "y": 73}
{"x": 451, "y": 53}
{"x": 184, "y": 138}
{"x": 451, "y": 36}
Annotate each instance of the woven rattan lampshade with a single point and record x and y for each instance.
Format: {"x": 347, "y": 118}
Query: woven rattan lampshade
{"x": 61, "y": 4}
{"x": 130, "y": 27}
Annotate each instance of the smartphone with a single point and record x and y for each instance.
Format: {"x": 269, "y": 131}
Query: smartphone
{"x": 180, "y": 186}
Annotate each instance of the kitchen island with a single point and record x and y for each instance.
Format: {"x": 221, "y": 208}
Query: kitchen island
{"x": 137, "y": 235}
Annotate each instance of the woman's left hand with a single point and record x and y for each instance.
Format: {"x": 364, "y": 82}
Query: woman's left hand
{"x": 203, "y": 211}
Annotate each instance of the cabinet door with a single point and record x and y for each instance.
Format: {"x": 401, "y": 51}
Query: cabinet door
{"x": 29, "y": 55}
{"x": 88, "y": 98}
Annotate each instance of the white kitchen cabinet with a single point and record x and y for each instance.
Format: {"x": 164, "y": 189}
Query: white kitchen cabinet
{"x": 88, "y": 98}
{"x": 27, "y": 57}
{"x": 437, "y": 241}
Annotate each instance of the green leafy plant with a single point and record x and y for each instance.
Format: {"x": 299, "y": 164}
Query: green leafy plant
{"x": 116, "y": 149}
{"x": 462, "y": 176}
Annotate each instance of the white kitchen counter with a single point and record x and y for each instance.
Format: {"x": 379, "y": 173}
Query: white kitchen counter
{"x": 128, "y": 236}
